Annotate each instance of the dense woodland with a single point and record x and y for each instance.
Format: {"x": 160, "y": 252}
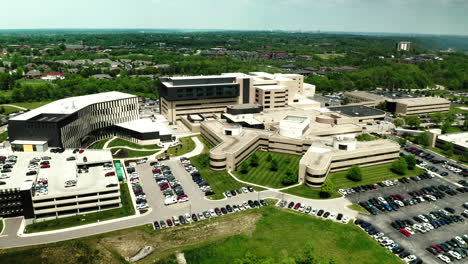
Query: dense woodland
{"x": 371, "y": 55}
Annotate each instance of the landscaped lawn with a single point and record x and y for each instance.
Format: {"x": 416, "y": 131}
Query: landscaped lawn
{"x": 370, "y": 175}
{"x": 263, "y": 175}
{"x": 126, "y": 210}
{"x": 186, "y": 146}
{"x": 131, "y": 153}
{"x": 118, "y": 142}
{"x": 220, "y": 181}
{"x": 3, "y": 136}
{"x": 455, "y": 110}
{"x": 99, "y": 144}
{"x": 31, "y": 105}
{"x": 307, "y": 192}
{"x": 282, "y": 234}
{"x": 9, "y": 109}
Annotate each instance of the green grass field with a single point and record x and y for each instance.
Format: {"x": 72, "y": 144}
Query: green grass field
{"x": 99, "y": 144}
{"x": 9, "y": 109}
{"x": 220, "y": 181}
{"x": 455, "y": 110}
{"x": 282, "y": 234}
{"x": 31, "y": 105}
{"x": 132, "y": 153}
{"x": 262, "y": 174}
{"x": 187, "y": 145}
{"x": 369, "y": 175}
{"x": 126, "y": 210}
{"x": 307, "y": 192}
{"x": 118, "y": 142}
{"x": 3, "y": 136}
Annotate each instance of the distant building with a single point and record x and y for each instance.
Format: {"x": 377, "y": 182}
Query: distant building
{"x": 404, "y": 46}
{"x": 52, "y": 76}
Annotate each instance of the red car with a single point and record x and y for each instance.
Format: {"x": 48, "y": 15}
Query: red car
{"x": 218, "y": 212}
{"x": 45, "y": 166}
{"x": 437, "y": 248}
{"x": 81, "y": 151}
{"x": 110, "y": 173}
{"x": 405, "y": 232}
{"x": 156, "y": 171}
{"x": 297, "y": 206}
{"x": 169, "y": 222}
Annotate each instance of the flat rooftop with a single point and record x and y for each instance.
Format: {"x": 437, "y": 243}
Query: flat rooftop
{"x": 271, "y": 87}
{"x": 460, "y": 139}
{"x": 357, "y": 110}
{"x": 145, "y": 125}
{"x": 70, "y": 105}
{"x": 367, "y": 95}
{"x": 422, "y": 101}
{"x": 60, "y": 171}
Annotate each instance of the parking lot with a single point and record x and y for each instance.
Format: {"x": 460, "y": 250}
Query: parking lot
{"x": 416, "y": 243}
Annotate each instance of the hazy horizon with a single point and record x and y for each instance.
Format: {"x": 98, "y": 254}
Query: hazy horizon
{"x": 433, "y": 17}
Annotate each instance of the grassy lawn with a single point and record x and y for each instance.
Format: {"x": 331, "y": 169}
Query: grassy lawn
{"x": 187, "y": 145}
{"x": 268, "y": 232}
{"x": 99, "y": 144}
{"x": 358, "y": 208}
{"x": 453, "y": 129}
{"x": 118, "y": 142}
{"x": 369, "y": 175}
{"x": 455, "y": 157}
{"x": 132, "y": 153}
{"x": 3, "y": 136}
{"x": 220, "y": 181}
{"x": 263, "y": 175}
{"x": 455, "y": 110}
{"x": 31, "y": 105}
{"x": 282, "y": 234}
{"x": 307, "y": 192}
{"x": 126, "y": 210}
{"x": 8, "y": 109}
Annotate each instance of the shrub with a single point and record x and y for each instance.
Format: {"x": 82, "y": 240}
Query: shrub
{"x": 410, "y": 161}
{"x": 274, "y": 165}
{"x": 244, "y": 168}
{"x": 400, "y": 166}
{"x": 289, "y": 178}
{"x": 254, "y": 160}
{"x": 326, "y": 189}
{"x": 354, "y": 173}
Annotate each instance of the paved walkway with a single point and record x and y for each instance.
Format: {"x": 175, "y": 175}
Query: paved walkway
{"x": 15, "y": 106}
{"x": 107, "y": 143}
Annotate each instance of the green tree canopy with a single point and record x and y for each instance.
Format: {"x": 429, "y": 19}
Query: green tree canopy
{"x": 413, "y": 121}
{"x": 354, "y": 173}
{"x": 274, "y": 165}
{"x": 326, "y": 189}
{"x": 422, "y": 139}
{"x": 254, "y": 160}
{"x": 399, "y": 166}
{"x": 244, "y": 168}
{"x": 398, "y": 122}
{"x": 410, "y": 161}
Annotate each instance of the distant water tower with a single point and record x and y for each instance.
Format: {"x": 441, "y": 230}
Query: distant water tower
{"x": 404, "y": 45}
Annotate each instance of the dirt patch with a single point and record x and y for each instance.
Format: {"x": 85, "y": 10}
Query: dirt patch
{"x": 128, "y": 244}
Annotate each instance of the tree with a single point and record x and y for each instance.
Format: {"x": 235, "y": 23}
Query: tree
{"x": 244, "y": 168}
{"x": 398, "y": 122}
{"x": 326, "y": 189}
{"x": 422, "y": 139}
{"x": 354, "y": 173}
{"x": 448, "y": 148}
{"x": 464, "y": 157}
{"x": 446, "y": 126}
{"x": 289, "y": 178}
{"x": 2, "y": 109}
{"x": 254, "y": 160}
{"x": 437, "y": 118}
{"x": 402, "y": 141}
{"x": 465, "y": 123}
{"x": 410, "y": 161}
{"x": 346, "y": 101}
{"x": 413, "y": 121}
{"x": 269, "y": 157}
{"x": 399, "y": 166}
{"x": 274, "y": 165}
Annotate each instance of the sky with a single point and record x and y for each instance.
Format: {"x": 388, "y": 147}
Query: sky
{"x": 391, "y": 16}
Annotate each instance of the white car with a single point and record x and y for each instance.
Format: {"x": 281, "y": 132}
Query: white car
{"x": 314, "y": 211}
{"x": 212, "y": 213}
{"x": 331, "y": 216}
{"x": 423, "y": 218}
{"x": 201, "y": 216}
{"x": 459, "y": 239}
{"x": 141, "y": 206}
{"x": 381, "y": 199}
{"x": 187, "y": 216}
{"x": 245, "y": 190}
{"x": 301, "y": 208}
{"x": 409, "y": 258}
{"x": 455, "y": 255}
{"x": 170, "y": 200}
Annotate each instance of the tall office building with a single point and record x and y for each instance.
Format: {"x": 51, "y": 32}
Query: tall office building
{"x": 404, "y": 46}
